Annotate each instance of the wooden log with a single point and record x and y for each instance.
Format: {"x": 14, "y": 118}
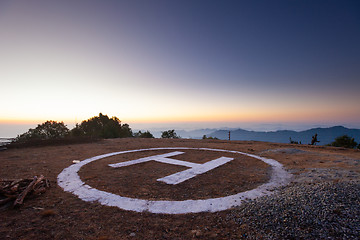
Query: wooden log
{"x": 38, "y": 181}
{"x": 21, "y": 197}
{"x": 47, "y": 183}
{"x": 40, "y": 190}
{"x": 9, "y": 183}
{"x": 15, "y": 182}
{"x": 6, "y": 200}
{"x": 11, "y": 195}
{"x": 15, "y": 188}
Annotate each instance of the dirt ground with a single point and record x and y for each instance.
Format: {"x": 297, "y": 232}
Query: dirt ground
{"x": 60, "y": 215}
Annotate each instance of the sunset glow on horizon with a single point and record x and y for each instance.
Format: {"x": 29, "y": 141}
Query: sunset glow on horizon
{"x": 150, "y": 62}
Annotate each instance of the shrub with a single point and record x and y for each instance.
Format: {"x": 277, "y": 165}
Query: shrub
{"x": 146, "y": 134}
{"x": 344, "y": 141}
{"x": 293, "y": 142}
{"x": 126, "y": 131}
{"x": 77, "y": 131}
{"x": 205, "y": 137}
{"x": 169, "y": 134}
{"x": 103, "y": 127}
{"x": 89, "y": 130}
{"x": 45, "y": 131}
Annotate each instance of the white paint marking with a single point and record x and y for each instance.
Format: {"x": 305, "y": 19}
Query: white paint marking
{"x": 177, "y": 162}
{"x": 192, "y": 172}
{"x": 70, "y": 181}
{"x": 159, "y": 158}
{"x": 195, "y": 168}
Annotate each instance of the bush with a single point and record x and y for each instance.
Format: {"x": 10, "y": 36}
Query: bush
{"x": 205, "y": 137}
{"x": 89, "y": 130}
{"x": 146, "y": 134}
{"x": 169, "y": 134}
{"x": 77, "y": 131}
{"x": 344, "y": 141}
{"x": 126, "y": 131}
{"x": 45, "y": 131}
{"x": 294, "y": 142}
{"x": 102, "y": 127}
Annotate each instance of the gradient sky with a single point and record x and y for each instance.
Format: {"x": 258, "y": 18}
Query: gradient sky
{"x": 154, "y": 62}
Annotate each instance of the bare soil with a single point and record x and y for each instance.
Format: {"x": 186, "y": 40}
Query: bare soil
{"x": 60, "y": 215}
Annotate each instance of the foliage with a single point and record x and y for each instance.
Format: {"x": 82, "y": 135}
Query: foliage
{"x": 146, "y": 134}
{"x": 89, "y": 130}
{"x": 45, "y": 131}
{"x": 314, "y": 140}
{"x": 205, "y": 137}
{"x": 102, "y": 127}
{"x": 126, "y": 131}
{"x": 294, "y": 142}
{"x": 169, "y": 134}
{"x": 344, "y": 141}
{"x": 77, "y": 131}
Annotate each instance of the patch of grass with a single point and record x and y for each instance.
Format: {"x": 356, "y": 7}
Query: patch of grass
{"x": 48, "y": 213}
{"x": 52, "y": 142}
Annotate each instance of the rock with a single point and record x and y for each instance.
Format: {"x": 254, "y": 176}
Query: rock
{"x": 196, "y": 233}
{"x": 321, "y": 210}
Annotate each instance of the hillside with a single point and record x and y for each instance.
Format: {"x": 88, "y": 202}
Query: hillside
{"x": 325, "y": 135}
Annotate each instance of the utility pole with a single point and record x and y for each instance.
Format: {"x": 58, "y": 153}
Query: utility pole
{"x": 229, "y": 135}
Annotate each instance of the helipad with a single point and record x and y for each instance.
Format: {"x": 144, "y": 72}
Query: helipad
{"x": 70, "y": 181}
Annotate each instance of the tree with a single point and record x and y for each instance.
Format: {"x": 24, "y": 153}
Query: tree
{"x": 126, "y": 131}
{"x": 169, "y": 134}
{"x": 146, "y": 134}
{"x": 103, "y": 127}
{"x": 205, "y": 137}
{"x": 293, "y": 142}
{"x": 96, "y": 127}
{"x": 314, "y": 140}
{"x": 77, "y": 131}
{"x": 47, "y": 130}
{"x": 344, "y": 141}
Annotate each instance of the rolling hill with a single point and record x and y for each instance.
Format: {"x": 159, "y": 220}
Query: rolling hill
{"x": 325, "y": 135}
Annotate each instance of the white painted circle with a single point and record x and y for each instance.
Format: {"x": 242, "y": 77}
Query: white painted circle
{"x": 70, "y": 181}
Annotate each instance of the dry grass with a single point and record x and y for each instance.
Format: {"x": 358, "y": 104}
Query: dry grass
{"x": 64, "y": 216}
{"x": 48, "y": 213}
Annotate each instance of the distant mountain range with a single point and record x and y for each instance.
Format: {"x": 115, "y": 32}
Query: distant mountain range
{"x": 325, "y": 135}
{"x": 195, "y": 134}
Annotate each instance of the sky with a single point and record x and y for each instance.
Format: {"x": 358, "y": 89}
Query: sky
{"x": 180, "y": 63}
